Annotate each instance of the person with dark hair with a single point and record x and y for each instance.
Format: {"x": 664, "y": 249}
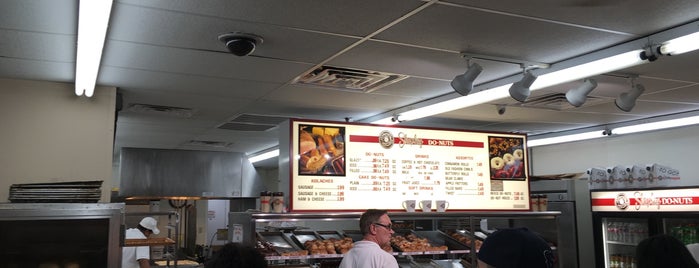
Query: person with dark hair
{"x": 515, "y": 248}
{"x": 663, "y": 250}
{"x": 234, "y": 255}
{"x": 376, "y": 229}
{"x": 139, "y": 257}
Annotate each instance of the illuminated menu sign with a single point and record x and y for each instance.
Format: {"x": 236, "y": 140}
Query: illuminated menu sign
{"x": 352, "y": 167}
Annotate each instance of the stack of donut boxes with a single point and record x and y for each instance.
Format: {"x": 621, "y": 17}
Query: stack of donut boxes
{"x": 633, "y": 177}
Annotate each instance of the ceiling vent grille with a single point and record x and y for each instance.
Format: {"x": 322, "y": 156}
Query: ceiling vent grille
{"x": 162, "y": 110}
{"x": 348, "y": 79}
{"x": 253, "y": 122}
{"x": 211, "y": 144}
{"x": 557, "y": 102}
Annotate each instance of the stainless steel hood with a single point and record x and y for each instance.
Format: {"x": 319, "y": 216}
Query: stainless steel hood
{"x": 170, "y": 174}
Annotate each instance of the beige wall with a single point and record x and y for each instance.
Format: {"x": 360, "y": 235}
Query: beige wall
{"x": 48, "y": 134}
{"x": 676, "y": 148}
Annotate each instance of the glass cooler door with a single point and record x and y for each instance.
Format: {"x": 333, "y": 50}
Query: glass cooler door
{"x": 684, "y": 229}
{"x": 620, "y": 236}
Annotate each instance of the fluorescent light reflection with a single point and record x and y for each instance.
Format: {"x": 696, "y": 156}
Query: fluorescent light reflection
{"x": 264, "y": 156}
{"x": 567, "y": 138}
{"x": 692, "y": 120}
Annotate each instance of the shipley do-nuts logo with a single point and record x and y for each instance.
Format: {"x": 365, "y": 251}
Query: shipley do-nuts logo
{"x": 386, "y": 139}
{"x": 621, "y": 201}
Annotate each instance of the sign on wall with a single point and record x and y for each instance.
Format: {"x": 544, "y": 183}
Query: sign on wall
{"x": 352, "y": 167}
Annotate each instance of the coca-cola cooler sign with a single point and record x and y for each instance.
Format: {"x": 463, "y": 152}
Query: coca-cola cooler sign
{"x": 352, "y": 167}
{"x": 660, "y": 200}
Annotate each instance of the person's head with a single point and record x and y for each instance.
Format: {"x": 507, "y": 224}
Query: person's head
{"x": 148, "y": 226}
{"x": 514, "y": 248}
{"x": 376, "y": 226}
{"x": 234, "y": 255}
{"x": 663, "y": 251}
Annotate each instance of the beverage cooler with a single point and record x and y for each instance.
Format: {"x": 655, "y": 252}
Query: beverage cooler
{"x": 622, "y": 218}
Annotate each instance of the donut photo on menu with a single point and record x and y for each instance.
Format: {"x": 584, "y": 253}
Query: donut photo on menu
{"x": 507, "y": 159}
{"x": 321, "y": 150}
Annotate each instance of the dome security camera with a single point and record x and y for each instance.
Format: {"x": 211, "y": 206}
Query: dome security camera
{"x": 240, "y": 44}
{"x": 501, "y": 109}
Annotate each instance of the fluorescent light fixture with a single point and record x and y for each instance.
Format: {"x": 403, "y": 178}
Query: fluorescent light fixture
{"x": 605, "y": 65}
{"x": 264, "y": 156}
{"x": 680, "y": 45}
{"x": 457, "y": 103}
{"x": 93, "y": 22}
{"x": 692, "y": 120}
{"x": 566, "y": 138}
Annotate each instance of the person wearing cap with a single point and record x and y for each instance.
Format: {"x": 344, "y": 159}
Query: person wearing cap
{"x": 377, "y": 230}
{"x": 515, "y": 248}
{"x": 139, "y": 257}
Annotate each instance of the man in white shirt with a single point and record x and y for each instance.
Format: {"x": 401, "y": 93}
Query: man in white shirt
{"x": 139, "y": 257}
{"x": 377, "y": 230}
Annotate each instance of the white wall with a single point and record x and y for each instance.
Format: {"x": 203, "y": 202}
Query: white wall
{"x": 49, "y": 134}
{"x": 676, "y": 148}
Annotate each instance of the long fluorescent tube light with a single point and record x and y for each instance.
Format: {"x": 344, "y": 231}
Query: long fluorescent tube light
{"x": 679, "y": 122}
{"x": 681, "y": 45}
{"x": 566, "y": 138}
{"x": 93, "y": 21}
{"x": 604, "y": 65}
{"x": 264, "y": 156}
{"x": 458, "y": 103}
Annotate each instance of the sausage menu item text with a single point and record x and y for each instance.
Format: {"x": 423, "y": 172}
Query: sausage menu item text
{"x": 352, "y": 167}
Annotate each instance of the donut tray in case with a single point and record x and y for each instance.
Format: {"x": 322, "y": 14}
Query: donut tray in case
{"x": 280, "y": 241}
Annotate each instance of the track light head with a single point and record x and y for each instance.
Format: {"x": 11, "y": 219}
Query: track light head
{"x": 520, "y": 90}
{"x": 578, "y": 95}
{"x": 627, "y": 100}
{"x": 463, "y": 83}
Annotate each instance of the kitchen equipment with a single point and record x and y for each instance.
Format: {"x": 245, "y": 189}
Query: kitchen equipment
{"x": 575, "y": 239}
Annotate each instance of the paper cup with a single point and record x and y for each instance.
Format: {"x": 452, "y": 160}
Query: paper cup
{"x": 442, "y": 205}
{"x": 409, "y": 205}
{"x": 426, "y": 205}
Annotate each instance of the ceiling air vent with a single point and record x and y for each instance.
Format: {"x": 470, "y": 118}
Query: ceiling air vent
{"x": 163, "y": 110}
{"x": 557, "y": 102}
{"x": 213, "y": 144}
{"x": 348, "y": 79}
{"x": 253, "y": 122}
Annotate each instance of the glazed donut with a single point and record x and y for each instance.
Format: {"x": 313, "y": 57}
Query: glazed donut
{"x": 497, "y": 162}
{"x": 518, "y": 154}
{"x": 508, "y": 158}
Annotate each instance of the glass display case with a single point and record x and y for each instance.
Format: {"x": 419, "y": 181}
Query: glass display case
{"x": 451, "y": 236}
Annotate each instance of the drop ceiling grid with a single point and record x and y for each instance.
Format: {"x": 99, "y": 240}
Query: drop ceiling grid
{"x": 460, "y": 29}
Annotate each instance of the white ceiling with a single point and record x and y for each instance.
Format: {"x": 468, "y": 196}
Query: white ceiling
{"x": 166, "y": 53}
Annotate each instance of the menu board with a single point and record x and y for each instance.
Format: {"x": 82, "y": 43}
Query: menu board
{"x": 354, "y": 167}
